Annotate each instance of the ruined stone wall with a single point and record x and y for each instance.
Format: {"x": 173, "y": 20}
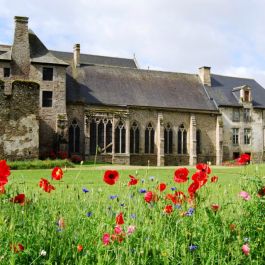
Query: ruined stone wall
{"x": 49, "y": 115}
{"x": 19, "y": 119}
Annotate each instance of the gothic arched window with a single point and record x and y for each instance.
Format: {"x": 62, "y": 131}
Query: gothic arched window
{"x": 182, "y": 140}
{"x": 149, "y": 139}
{"x": 120, "y": 138}
{"x": 168, "y": 139}
{"x": 198, "y": 141}
{"x": 134, "y": 138}
{"x": 100, "y": 135}
{"x": 74, "y": 137}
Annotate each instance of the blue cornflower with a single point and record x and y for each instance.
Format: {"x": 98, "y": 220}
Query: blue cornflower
{"x": 190, "y": 212}
{"x": 89, "y": 214}
{"x": 173, "y": 188}
{"x": 142, "y": 190}
{"x": 193, "y": 247}
{"x": 133, "y": 215}
{"x": 112, "y": 197}
{"x": 85, "y": 190}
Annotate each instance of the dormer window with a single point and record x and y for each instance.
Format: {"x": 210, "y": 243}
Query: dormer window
{"x": 246, "y": 96}
{"x": 47, "y": 73}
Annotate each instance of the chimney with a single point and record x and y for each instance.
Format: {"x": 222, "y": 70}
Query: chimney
{"x": 76, "y": 55}
{"x": 205, "y": 75}
{"x": 20, "y": 49}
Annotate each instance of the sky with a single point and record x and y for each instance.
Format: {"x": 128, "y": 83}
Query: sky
{"x": 168, "y": 35}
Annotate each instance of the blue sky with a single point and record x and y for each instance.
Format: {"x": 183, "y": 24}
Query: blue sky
{"x": 170, "y": 35}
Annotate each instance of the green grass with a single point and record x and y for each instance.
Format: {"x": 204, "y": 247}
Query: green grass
{"x": 158, "y": 239}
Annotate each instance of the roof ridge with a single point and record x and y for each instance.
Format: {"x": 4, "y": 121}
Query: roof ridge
{"x": 140, "y": 69}
{"x": 249, "y": 78}
{"x": 114, "y": 57}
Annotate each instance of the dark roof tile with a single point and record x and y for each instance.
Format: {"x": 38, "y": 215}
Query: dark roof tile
{"x": 135, "y": 87}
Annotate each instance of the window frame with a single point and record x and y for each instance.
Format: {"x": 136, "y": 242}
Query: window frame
{"x": 247, "y": 136}
{"x": 168, "y": 139}
{"x": 43, "y": 98}
{"x": 236, "y": 119}
{"x": 6, "y": 75}
{"x": 235, "y": 136}
{"x": 149, "y": 136}
{"x": 47, "y": 76}
{"x": 182, "y": 140}
{"x": 135, "y": 138}
{"x": 246, "y": 115}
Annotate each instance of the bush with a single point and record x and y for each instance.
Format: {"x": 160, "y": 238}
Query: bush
{"x": 39, "y": 164}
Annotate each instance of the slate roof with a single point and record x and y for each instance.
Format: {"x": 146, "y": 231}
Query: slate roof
{"x": 5, "y": 52}
{"x": 89, "y": 59}
{"x": 40, "y": 54}
{"x": 222, "y": 91}
{"x": 102, "y": 85}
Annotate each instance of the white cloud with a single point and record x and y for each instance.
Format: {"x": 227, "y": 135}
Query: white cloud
{"x": 171, "y": 35}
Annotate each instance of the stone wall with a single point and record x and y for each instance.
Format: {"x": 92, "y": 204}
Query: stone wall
{"x": 49, "y": 115}
{"x": 19, "y": 119}
{"x": 256, "y": 124}
{"x": 206, "y": 122}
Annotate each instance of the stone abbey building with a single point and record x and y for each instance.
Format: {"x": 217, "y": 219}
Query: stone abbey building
{"x": 87, "y": 105}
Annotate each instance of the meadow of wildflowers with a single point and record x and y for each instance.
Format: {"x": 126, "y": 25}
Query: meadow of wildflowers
{"x": 199, "y": 215}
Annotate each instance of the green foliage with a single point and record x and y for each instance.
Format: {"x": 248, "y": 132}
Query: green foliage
{"x": 158, "y": 239}
{"x": 25, "y": 83}
{"x": 39, "y": 164}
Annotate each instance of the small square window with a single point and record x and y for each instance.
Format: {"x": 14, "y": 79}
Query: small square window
{"x": 47, "y": 99}
{"x": 47, "y": 73}
{"x": 6, "y": 72}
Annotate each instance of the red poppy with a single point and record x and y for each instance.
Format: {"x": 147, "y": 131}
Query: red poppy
{"x": 46, "y": 186}
{"x": 214, "y": 179}
{"x": 16, "y": 247}
{"x": 20, "y": 198}
{"x": 172, "y": 197}
{"x": 150, "y": 197}
{"x": 194, "y": 186}
{"x": 2, "y": 189}
{"x": 244, "y": 159}
{"x": 4, "y": 172}
{"x": 119, "y": 219}
{"x": 79, "y": 248}
{"x": 168, "y": 209}
{"x": 133, "y": 181}
{"x": 111, "y": 176}
{"x": 215, "y": 207}
{"x": 57, "y": 173}
{"x": 199, "y": 176}
{"x": 181, "y": 175}
{"x": 161, "y": 187}
{"x": 203, "y": 167}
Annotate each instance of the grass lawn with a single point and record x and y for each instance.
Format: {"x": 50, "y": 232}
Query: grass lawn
{"x": 203, "y": 237}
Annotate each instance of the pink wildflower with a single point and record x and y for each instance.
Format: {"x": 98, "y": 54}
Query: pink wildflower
{"x": 117, "y": 229}
{"x": 246, "y": 249}
{"x": 244, "y": 195}
{"x": 106, "y": 239}
{"x": 130, "y": 229}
